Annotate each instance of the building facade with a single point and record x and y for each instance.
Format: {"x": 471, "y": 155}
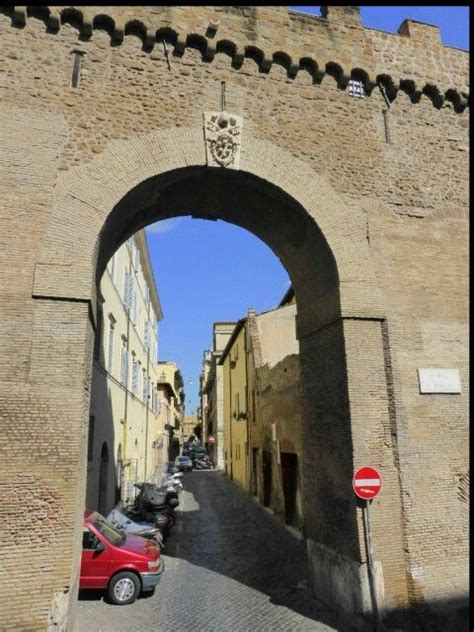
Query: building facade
{"x": 274, "y": 410}
{"x": 124, "y": 401}
{"x": 172, "y": 398}
{"x": 189, "y": 423}
{"x": 234, "y": 369}
{"x": 211, "y": 392}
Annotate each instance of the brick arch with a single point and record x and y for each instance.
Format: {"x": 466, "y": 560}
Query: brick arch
{"x": 86, "y": 196}
{"x": 320, "y": 240}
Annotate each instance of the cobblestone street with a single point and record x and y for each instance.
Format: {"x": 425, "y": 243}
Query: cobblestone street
{"x": 229, "y": 566}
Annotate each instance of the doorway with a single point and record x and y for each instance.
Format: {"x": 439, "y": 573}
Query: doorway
{"x": 254, "y": 472}
{"x": 289, "y": 475}
{"x": 267, "y": 476}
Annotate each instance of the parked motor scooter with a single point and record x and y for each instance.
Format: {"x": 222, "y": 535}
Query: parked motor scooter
{"x": 151, "y": 502}
{"x": 170, "y": 483}
{"x": 119, "y": 518}
{"x": 204, "y": 463}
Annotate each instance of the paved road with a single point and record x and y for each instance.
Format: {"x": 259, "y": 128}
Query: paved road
{"x": 229, "y": 567}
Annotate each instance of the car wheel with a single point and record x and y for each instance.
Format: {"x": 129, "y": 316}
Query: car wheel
{"x": 123, "y": 588}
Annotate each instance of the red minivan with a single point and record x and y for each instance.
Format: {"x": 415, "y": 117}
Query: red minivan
{"x": 123, "y": 564}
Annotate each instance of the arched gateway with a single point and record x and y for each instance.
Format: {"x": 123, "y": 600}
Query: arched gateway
{"x": 345, "y": 256}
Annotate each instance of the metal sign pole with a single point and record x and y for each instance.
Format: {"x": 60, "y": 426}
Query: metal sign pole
{"x": 370, "y": 558}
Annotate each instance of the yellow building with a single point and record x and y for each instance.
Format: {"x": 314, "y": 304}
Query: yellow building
{"x": 171, "y": 415}
{"x": 211, "y": 409}
{"x": 236, "y": 444}
{"x": 275, "y": 413}
{"x": 189, "y": 423}
{"x": 262, "y": 409}
{"x": 124, "y": 400}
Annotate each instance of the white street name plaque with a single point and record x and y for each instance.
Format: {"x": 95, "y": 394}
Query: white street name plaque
{"x": 439, "y": 380}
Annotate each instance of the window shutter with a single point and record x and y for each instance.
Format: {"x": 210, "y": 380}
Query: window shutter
{"x": 125, "y": 288}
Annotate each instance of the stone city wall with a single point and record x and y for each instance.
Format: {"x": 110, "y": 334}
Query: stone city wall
{"x": 405, "y": 171}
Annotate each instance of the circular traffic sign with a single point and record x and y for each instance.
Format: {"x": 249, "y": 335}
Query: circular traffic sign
{"x": 366, "y": 483}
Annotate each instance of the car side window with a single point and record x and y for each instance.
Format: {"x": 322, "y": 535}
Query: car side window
{"x": 89, "y": 539}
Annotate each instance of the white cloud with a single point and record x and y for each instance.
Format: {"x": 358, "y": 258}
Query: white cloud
{"x": 164, "y": 226}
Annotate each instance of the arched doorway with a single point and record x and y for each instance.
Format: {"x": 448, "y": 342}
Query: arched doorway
{"x": 103, "y": 479}
{"x": 322, "y": 244}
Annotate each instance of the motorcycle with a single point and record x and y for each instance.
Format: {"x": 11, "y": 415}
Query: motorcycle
{"x": 122, "y": 520}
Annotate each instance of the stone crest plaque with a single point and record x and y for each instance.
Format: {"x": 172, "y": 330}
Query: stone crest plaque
{"x": 222, "y": 134}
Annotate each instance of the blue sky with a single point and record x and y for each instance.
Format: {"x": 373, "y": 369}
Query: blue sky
{"x": 209, "y": 271}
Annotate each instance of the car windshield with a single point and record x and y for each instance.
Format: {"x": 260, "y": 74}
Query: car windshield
{"x": 113, "y": 535}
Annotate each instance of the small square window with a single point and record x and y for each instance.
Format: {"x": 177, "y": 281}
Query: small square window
{"x": 356, "y": 89}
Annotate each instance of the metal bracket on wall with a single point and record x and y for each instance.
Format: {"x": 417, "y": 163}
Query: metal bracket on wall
{"x": 167, "y": 55}
{"x": 385, "y": 112}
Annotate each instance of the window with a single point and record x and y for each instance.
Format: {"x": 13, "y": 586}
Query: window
{"x": 139, "y": 366}
{"x": 130, "y": 292}
{"x": 112, "y": 268}
{"x": 356, "y": 88}
{"x": 110, "y": 354}
{"x": 147, "y": 296}
{"x": 134, "y": 305}
{"x": 136, "y": 261}
{"x": 124, "y": 364}
{"x": 125, "y": 288}
{"x": 146, "y": 337}
{"x": 134, "y": 374}
{"x": 89, "y": 540}
{"x": 76, "y": 67}
{"x": 145, "y": 386}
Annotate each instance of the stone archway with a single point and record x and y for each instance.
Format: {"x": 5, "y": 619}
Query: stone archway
{"x": 321, "y": 242}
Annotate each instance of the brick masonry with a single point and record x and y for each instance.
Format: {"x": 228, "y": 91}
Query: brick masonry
{"x": 373, "y": 234}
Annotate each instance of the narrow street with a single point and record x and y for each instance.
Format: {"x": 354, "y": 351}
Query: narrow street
{"x": 229, "y": 566}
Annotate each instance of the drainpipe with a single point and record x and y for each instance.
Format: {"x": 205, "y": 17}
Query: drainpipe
{"x": 125, "y": 463}
{"x": 147, "y": 389}
{"x": 385, "y": 112}
{"x": 230, "y": 417}
{"x": 246, "y": 351}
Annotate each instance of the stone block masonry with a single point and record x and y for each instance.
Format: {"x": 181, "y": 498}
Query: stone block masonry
{"x": 374, "y": 235}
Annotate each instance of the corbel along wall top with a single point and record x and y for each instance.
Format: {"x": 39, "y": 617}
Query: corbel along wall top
{"x": 414, "y": 60}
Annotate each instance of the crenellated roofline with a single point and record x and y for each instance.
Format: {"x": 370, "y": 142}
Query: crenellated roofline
{"x": 89, "y": 19}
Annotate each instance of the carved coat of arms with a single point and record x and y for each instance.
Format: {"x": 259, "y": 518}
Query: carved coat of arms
{"x": 222, "y": 133}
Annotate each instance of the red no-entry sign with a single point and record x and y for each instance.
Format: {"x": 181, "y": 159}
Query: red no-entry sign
{"x": 366, "y": 483}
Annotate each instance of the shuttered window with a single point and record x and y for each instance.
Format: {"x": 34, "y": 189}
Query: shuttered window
{"x": 110, "y": 351}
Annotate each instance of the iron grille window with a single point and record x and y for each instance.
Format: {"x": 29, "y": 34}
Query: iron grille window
{"x": 356, "y": 88}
